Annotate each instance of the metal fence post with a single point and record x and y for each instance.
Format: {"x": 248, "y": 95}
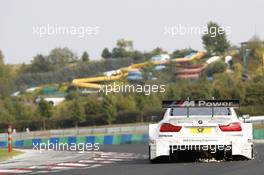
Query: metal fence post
{"x": 9, "y": 138}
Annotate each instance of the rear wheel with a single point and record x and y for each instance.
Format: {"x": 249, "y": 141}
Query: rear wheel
{"x": 252, "y": 151}
{"x": 174, "y": 157}
{"x": 151, "y": 160}
{"x": 160, "y": 159}
{"x": 228, "y": 156}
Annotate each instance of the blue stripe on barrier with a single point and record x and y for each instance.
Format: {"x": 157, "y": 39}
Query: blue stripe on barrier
{"x": 3, "y": 144}
{"x": 36, "y": 142}
{"x": 126, "y": 138}
{"x": 54, "y": 140}
{"x": 19, "y": 143}
{"x": 90, "y": 139}
{"x": 145, "y": 138}
{"x": 108, "y": 140}
{"x": 71, "y": 140}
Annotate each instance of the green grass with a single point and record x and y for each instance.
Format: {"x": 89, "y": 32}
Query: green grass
{"x": 5, "y": 155}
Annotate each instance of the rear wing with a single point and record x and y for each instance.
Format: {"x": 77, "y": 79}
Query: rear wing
{"x": 200, "y": 103}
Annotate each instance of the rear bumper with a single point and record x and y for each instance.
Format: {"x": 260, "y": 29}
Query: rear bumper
{"x": 209, "y": 148}
{"x": 161, "y": 147}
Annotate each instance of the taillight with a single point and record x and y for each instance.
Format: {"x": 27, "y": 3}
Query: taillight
{"x": 167, "y": 127}
{"x": 236, "y": 126}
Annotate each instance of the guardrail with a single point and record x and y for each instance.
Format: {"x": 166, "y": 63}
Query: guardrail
{"x": 110, "y": 130}
{"x": 254, "y": 119}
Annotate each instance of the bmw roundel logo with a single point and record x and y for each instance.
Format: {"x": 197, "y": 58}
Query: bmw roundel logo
{"x": 200, "y": 122}
{"x": 200, "y": 129}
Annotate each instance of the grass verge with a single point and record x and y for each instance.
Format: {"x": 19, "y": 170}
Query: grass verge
{"x": 5, "y": 155}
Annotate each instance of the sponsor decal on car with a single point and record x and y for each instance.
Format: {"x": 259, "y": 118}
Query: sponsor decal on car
{"x": 200, "y": 103}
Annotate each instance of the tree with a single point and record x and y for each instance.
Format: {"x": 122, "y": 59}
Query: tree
{"x": 125, "y": 44}
{"x": 157, "y": 51}
{"x": 92, "y": 106}
{"x": 23, "y": 114}
{"x": 7, "y": 77}
{"x": 77, "y": 112}
{"x": 45, "y": 108}
{"x": 147, "y": 105}
{"x": 85, "y": 57}
{"x": 2, "y": 66}
{"x": 256, "y": 47}
{"x": 106, "y": 53}
{"x": 215, "y": 41}
{"x": 7, "y": 111}
{"x": 123, "y": 49}
{"x": 40, "y": 63}
{"x": 1, "y": 58}
{"x": 217, "y": 67}
{"x": 109, "y": 108}
{"x": 138, "y": 56}
{"x": 119, "y": 53}
{"x": 4, "y": 114}
{"x": 127, "y": 103}
{"x": 62, "y": 56}
{"x": 226, "y": 87}
{"x": 201, "y": 90}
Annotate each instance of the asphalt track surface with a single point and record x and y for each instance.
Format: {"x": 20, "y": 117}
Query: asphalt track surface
{"x": 142, "y": 165}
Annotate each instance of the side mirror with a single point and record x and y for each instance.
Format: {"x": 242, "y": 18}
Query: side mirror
{"x": 245, "y": 117}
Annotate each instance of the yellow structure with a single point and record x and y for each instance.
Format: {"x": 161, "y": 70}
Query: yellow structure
{"x": 92, "y": 82}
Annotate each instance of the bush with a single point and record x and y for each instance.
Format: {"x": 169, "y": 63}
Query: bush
{"x": 217, "y": 67}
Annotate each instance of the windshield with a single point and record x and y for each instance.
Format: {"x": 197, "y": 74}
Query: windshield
{"x": 200, "y": 111}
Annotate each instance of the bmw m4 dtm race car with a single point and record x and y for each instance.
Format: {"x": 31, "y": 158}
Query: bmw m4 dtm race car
{"x": 196, "y": 129}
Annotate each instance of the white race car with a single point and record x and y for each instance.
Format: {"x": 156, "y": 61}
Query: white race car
{"x": 197, "y": 129}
